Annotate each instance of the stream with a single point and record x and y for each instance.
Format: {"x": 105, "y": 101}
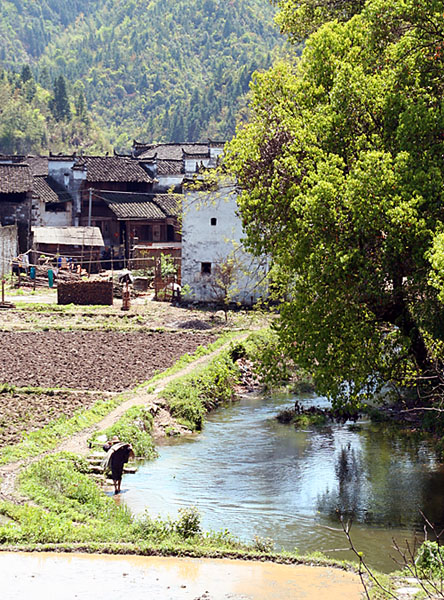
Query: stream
{"x": 256, "y": 477}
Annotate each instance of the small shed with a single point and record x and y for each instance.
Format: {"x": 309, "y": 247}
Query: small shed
{"x": 82, "y": 244}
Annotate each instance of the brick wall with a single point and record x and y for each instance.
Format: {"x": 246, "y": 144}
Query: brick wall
{"x": 85, "y": 292}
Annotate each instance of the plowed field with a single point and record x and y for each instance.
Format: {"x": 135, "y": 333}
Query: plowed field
{"x": 99, "y": 360}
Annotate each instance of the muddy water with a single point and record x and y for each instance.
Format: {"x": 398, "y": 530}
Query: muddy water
{"x": 83, "y": 577}
{"x": 253, "y": 476}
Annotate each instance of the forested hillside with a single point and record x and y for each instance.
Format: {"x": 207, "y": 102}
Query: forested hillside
{"x": 156, "y": 70}
{"x": 34, "y": 119}
{"x": 27, "y": 26}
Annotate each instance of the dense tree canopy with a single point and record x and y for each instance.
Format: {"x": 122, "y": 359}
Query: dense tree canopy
{"x": 157, "y": 70}
{"x": 342, "y": 168}
{"x": 34, "y": 119}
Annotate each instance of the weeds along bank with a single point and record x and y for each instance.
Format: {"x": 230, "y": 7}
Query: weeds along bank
{"x": 67, "y": 507}
{"x": 33, "y": 441}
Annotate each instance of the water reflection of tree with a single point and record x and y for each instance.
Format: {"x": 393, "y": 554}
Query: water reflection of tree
{"x": 387, "y": 483}
{"x": 346, "y": 499}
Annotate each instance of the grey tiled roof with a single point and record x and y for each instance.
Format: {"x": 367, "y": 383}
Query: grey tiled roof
{"x": 169, "y": 203}
{"x": 15, "y": 179}
{"x": 169, "y": 167}
{"x": 49, "y": 190}
{"x": 43, "y": 191}
{"x": 112, "y": 168}
{"x": 169, "y": 151}
{"x": 132, "y": 206}
{"x": 39, "y": 165}
{"x": 141, "y": 206}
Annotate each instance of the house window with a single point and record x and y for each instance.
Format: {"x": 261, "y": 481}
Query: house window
{"x": 205, "y": 268}
{"x": 170, "y": 233}
{"x": 145, "y": 234}
{"x": 213, "y": 221}
{"x": 55, "y": 207}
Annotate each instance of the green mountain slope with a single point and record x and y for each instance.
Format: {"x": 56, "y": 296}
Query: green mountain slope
{"x": 157, "y": 70}
{"x": 32, "y": 122}
{"x": 27, "y": 26}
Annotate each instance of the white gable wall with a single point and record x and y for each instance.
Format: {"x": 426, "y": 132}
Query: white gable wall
{"x": 204, "y": 242}
{"x": 8, "y": 248}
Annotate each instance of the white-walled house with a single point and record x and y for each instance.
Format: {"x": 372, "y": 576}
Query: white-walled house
{"x": 211, "y": 238}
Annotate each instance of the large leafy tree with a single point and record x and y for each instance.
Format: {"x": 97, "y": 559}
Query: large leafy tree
{"x": 341, "y": 171}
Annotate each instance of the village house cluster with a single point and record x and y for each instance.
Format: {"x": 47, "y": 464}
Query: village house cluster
{"x": 121, "y": 210}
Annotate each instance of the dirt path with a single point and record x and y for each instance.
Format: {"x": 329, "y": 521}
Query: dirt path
{"x": 78, "y": 443}
{"x": 169, "y": 578}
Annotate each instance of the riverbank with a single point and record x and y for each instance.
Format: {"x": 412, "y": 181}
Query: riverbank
{"x": 56, "y": 505}
{"x": 65, "y": 509}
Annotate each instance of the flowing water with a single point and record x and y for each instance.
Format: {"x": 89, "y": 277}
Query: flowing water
{"x": 254, "y": 476}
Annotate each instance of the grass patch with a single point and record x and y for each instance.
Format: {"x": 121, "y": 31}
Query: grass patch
{"x": 50, "y": 436}
{"x": 70, "y": 508}
{"x": 135, "y": 428}
{"x": 191, "y": 396}
{"x": 70, "y": 513}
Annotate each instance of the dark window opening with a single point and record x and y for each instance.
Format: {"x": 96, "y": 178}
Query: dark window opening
{"x": 170, "y": 233}
{"x": 145, "y": 233}
{"x": 205, "y": 268}
{"x": 55, "y": 207}
{"x": 213, "y": 221}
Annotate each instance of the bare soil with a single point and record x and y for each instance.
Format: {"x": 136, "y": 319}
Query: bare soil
{"x": 99, "y": 360}
{"x": 22, "y": 413}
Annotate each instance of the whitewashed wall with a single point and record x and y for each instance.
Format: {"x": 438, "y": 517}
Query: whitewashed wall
{"x": 44, "y": 218}
{"x": 165, "y": 182}
{"x": 204, "y": 242}
{"x": 191, "y": 164}
{"x": 8, "y": 248}
{"x": 59, "y": 169}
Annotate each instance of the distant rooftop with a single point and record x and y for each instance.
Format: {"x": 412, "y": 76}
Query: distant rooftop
{"x": 112, "y": 168}
{"x": 132, "y": 205}
{"x": 15, "y": 178}
{"x": 168, "y": 151}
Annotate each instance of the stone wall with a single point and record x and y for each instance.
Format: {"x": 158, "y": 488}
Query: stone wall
{"x": 85, "y": 293}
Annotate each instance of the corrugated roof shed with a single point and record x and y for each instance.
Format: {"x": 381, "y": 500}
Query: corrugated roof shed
{"x": 15, "y": 179}
{"x": 68, "y": 236}
{"x": 112, "y": 168}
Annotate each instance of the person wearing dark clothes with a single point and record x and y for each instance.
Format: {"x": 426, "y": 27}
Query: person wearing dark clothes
{"x": 117, "y": 454}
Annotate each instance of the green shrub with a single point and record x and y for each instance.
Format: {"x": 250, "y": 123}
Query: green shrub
{"x": 188, "y": 523}
{"x": 135, "y": 428}
{"x": 430, "y": 559}
{"x": 190, "y": 397}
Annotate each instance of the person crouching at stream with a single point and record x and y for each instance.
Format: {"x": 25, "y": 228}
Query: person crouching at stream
{"x": 117, "y": 454}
